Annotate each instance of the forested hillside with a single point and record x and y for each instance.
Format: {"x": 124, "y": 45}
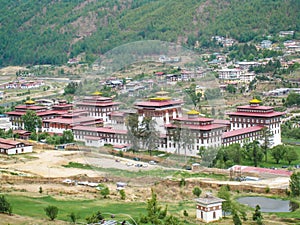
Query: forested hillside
{"x": 51, "y": 31}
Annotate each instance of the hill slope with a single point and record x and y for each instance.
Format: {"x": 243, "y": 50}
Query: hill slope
{"x": 51, "y": 31}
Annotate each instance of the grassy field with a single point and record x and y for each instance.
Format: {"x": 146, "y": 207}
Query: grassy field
{"x": 34, "y": 207}
{"x": 155, "y": 173}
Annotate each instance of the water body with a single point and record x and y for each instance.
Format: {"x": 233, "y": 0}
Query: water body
{"x": 269, "y": 204}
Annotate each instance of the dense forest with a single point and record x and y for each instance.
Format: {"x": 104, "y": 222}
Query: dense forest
{"x": 52, "y": 31}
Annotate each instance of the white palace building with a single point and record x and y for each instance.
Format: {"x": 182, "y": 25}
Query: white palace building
{"x": 108, "y": 127}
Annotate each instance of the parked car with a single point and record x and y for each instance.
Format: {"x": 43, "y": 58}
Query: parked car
{"x": 152, "y": 162}
{"x": 136, "y": 159}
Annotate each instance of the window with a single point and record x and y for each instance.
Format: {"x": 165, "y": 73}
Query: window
{"x": 214, "y": 215}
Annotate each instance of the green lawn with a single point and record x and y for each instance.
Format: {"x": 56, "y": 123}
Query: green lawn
{"x": 34, "y": 207}
{"x": 155, "y": 173}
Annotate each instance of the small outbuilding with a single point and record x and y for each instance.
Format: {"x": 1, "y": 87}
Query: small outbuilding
{"x": 209, "y": 208}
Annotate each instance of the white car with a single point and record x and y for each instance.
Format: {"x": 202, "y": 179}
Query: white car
{"x": 129, "y": 164}
{"x": 152, "y": 162}
{"x": 67, "y": 181}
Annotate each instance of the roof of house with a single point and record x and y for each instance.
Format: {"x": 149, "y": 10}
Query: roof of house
{"x": 70, "y": 120}
{"x": 256, "y": 107}
{"x": 100, "y": 129}
{"x": 209, "y": 199}
{"x": 93, "y": 138}
{"x": 9, "y": 142}
{"x": 256, "y": 114}
{"x": 97, "y": 104}
{"x": 6, "y": 146}
{"x": 241, "y": 131}
{"x": 197, "y": 127}
{"x": 259, "y": 170}
{"x": 197, "y": 119}
{"x": 159, "y": 103}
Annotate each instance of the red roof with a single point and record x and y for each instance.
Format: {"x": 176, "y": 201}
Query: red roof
{"x": 9, "y": 142}
{"x": 252, "y": 169}
{"x": 197, "y": 127}
{"x": 250, "y": 114}
{"x": 100, "y": 129}
{"x": 70, "y": 120}
{"x": 255, "y": 107}
{"x": 241, "y": 131}
{"x": 198, "y": 119}
{"x": 42, "y": 113}
{"x": 121, "y": 146}
{"x": 30, "y": 107}
{"x": 159, "y": 103}
{"x": 117, "y": 113}
{"x": 93, "y": 138}
{"x": 6, "y": 146}
{"x": 98, "y": 104}
{"x": 218, "y": 121}
{"x": 16, "y": 113}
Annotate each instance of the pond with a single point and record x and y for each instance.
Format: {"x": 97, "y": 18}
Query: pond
{"x": 269, "y": 204}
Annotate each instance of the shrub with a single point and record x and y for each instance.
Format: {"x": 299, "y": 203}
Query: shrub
{"x": 51, "y": 212}
{"x": 123, "y": 194}
{"x": 185, "y": 213}
{"x": 5, "y": 206}
{"x": 182, "y": 182}
{"x": 267, "y": 189}
{"x": 197, "y": 191}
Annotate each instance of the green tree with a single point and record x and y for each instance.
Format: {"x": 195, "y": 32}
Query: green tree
{"x": 71, "y": 88}
{"x": 141, "y": 134}
{"x": 295, "y": 184}
{"x": 95, "y": 218}
{"x": 225, "y": 194}
{"x": 123, "y": 194}
{"x": 5, "y": 206}
{"x": 31, "y": 121}
{"x": 266, "y": 138}
{"x": 253, "y": 152}
{"x": 182, "y": 182}
{"x": 73, "y": 217}
{"x": 278, "y": 152}
{"x": 104, "y": 191}
{"x": 290, "y": 154}
{"x": 231, "y": 89}
{"x": 234, "y": 153}
{"x": 185, "y": 213}
{"x": 51, "y": 211}
{"x": 257, "y": 216}
{"x": 236, "y": 219}
{"x": 293, "y": 99}
{"x": 194, "y": 96}
{"x": 197, "y": 191}
{"x": 67, "y": 137}
{"x": 156, "y": 215}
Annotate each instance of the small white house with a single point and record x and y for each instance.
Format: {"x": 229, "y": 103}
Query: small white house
{"x": 94, "y": 141}
{"x": 209, "y": 208}
{"x": 11, "y": 147}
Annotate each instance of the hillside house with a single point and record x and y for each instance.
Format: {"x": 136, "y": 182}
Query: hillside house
{"x": 11, "y": 147}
